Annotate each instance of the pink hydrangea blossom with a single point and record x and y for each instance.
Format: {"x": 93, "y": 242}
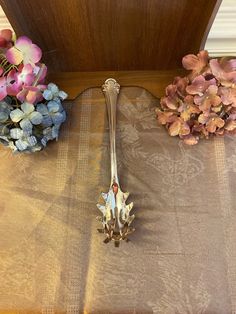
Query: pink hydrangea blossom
{"x": 225, "y": 73}
{"x": 179, "y": 127}
{"x": 199, "y": 85}
{"x": 171, "y": 101}
{"x": 190, "y": 139}
{"x": 230, "y": 125}
{"x": 203, "y": 103}
{"x": 209, "y": 99}
{"x": 31, "y": 94}
{"x": 9, "y": 85}
{"x": 197, "y": 64}
{"x": 181, "y": 83}
{"x": 24, "y": 51}
{"x": 40, "y": 72}
{"x": 188, "y": 108}
{"x": 212, "y": 121}
{"x": 228, "y": 96}
{"x": 26, "y": 74}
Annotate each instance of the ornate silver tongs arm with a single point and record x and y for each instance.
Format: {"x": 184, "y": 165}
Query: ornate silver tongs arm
{"x": 111, "y": 90}
{"x": 116, "y": 217}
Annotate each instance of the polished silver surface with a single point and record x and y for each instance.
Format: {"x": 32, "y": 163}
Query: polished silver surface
{"x": 116, "y": 218}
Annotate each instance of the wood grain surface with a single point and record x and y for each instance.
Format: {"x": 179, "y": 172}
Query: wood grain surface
{"x": 112, "y": 35}
{"x": 74, "y": 83}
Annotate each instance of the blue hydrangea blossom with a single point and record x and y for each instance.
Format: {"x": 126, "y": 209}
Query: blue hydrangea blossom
{"x": 27, "y": 127}
{"x": 27, "y": 117}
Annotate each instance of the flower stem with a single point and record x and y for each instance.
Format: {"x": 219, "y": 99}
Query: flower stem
{"x": 9, "y": 68}
{"x": 17, "y": 105}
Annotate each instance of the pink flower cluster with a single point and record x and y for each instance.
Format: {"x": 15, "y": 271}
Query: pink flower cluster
{"x": 21, "y": 74}
{"x": 203, "y": 103}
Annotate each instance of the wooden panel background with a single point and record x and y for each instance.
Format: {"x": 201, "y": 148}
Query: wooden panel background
{"x": 112, "y": 35}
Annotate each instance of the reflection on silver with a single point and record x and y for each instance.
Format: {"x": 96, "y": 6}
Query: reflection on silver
{"x": 116, "y": 217}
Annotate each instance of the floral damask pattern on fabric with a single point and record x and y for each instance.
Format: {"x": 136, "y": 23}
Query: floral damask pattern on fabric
{"x": 181, "y": 258}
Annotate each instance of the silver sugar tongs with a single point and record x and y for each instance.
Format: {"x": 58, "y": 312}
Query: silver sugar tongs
{"x": 116, "y": 217}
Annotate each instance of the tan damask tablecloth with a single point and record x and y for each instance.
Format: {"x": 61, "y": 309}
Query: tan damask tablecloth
{"x": 182, "y": 256}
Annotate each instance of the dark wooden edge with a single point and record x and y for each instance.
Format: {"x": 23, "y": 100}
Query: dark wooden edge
{"x": 74, "y": 83}
{"x": 210, "y": 22}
